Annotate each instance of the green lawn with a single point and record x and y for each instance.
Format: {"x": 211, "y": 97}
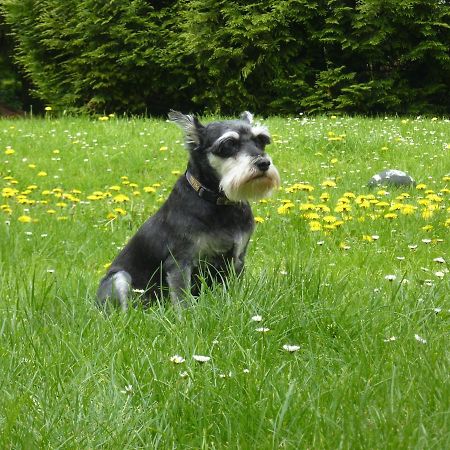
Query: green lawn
{"x": 358, "y": 279}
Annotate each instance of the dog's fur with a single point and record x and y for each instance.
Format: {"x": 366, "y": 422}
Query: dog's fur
{"x": 206, "y": 222}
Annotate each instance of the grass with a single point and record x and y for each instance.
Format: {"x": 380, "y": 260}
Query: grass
{"x": 372, "y": 370}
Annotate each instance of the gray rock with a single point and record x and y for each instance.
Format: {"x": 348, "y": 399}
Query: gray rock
{"x": 391, "y": 177}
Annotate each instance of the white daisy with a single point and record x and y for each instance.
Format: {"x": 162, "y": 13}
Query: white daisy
{"x": 291, "y": 348}
{"x": 420, "y": 339}
{"x": 262, "y": 329}
{"x": 257, "y": 318}
{"x": 177, "y": 359}
{"x": 201, "y": 358}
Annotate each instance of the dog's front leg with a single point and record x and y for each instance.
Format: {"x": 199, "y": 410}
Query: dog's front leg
{"x": 179, "y": 281}
{"x": 239, "y": 252}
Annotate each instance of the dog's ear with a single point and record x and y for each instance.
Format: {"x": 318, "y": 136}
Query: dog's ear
{"x": 247, "y": 116}
{"x": 191, "y": 126}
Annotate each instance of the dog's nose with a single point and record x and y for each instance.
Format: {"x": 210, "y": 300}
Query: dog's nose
{"x": 263, "y": 164}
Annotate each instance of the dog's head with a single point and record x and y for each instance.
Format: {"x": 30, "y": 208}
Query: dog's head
{"x": 233, "y": 153}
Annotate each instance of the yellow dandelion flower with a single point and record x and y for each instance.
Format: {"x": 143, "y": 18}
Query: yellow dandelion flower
{"x": 328, "y": 183}
{"x": 284, "y": 209}
{"x": 396, "y": 207}
{"x": 434, "y": 198}
{"x": 447, "y": 222}
{"x": 114, "y": 188}
{"x": 427, "y": 228}
{"x": 305, "y": 187}
{"x": 325, "y": 196}
{"x": 367, "y": 238}
{"x": 408, "y": 210}
{"x": 334, "y": 161}
{"x": 259, "y": 219}
{"x": 9, "y": 151}
{"x": 103, "y": 118}
{"x": 56, "y": 152}
{"x": 349, "y": 195}
{"x": 120, "y": 211}
{"x": 336, "y": 138}
{"x": 311, "y": 216}
{"x": 163, "y": 148}
{"x": 343, "y": 207}
{"x": 446, "y": 177}
{"x": 176, "y": 172}
{"x": 61, "y": 218}
{"x": 8, "y": 192}
{"x": 427, "y": 214}
{"x": 307, "y": 207}
{"x": 32, "y": 166}
{"x": 421, "y": 186}
{"x": 315, "y": 226}
{"x": 111, "y": 216}
{"x": 42, "y": 174}
{"x": 390, "y": 216}
{"x": 48, "y": 108}
{"x": 323, "y": 208}
{"x": 149, "y": 189}
{"x": 25, "y": 219}
{"x": 121, "y": 198}
{"x": 329, "y": 219}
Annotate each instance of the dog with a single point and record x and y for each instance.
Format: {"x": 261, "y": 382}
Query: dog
{"x": 205, "y": 224}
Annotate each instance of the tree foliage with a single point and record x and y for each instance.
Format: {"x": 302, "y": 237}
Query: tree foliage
{"x": 273, "y": 56}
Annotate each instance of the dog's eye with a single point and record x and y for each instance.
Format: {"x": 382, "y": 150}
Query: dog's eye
{"x": 227, "y": 148}
{"x": 262, "y": 140}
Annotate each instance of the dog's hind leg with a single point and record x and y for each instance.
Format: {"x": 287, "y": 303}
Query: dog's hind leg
{"x": 115, "y": 288}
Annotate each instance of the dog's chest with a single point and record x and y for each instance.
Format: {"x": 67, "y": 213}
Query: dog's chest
{"x": 210, "y": 245}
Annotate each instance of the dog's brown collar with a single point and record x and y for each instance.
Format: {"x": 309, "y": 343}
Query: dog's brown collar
{"x": 205, "y": 193}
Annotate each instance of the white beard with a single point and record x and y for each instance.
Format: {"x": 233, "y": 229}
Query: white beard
{"x": 241, "y": 180}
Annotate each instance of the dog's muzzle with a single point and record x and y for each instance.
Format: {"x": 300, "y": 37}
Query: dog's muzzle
{"x": 263, "y": 164}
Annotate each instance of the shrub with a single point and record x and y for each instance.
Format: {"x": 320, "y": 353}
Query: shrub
{"x": 276, "y": 57}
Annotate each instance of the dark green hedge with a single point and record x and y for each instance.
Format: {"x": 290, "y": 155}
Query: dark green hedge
{"x": 274, "y": 56}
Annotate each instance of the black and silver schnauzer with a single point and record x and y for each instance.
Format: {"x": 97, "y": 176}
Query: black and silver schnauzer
{"x": 206, "y": 223}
